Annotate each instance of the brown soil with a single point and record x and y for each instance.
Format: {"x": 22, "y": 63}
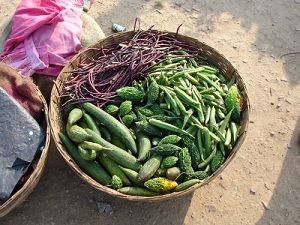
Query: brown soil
{"x": 261, "y": 184}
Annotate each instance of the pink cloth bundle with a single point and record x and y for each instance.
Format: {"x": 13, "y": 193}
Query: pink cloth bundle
{"x": 45, "y": 35}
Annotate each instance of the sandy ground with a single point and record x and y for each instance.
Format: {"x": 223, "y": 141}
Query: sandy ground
{"x": 262, "y": 184}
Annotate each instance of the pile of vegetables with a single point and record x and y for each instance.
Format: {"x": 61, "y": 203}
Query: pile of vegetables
{"x": 159, "y": 120}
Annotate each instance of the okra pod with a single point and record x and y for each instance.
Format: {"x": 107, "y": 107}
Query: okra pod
{"x": 210, "y": 69}
{"x": 169, "y": 127}
{"x": 207, "y": 91}
{"x": 209, "y": 158}
{"x": 187, "y": 117}
{"x": 222, "y": 148}
{"x": 180, "y": 105}
{"x": 213, "y": 136}
{"x": 185, "y": 97}
{"x": 225, "y": 122}
{"x": 207, "y": 141}
{"x": 210, "y": 82}
{"x": 190, "y": 71}
{"x": 207, "y": 115}
{"x": 212, "y": 119}
{"x": 228, "y": 137}
{"x": 234, "y": 131}
{"x": 199, "y": 144}
{"x": 192, "y": 79}
{"x": 220, "y": 114}
{"x": 169, "y": 99}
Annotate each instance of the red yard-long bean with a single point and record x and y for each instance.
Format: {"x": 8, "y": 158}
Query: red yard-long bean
{"x": 120, "y": 64}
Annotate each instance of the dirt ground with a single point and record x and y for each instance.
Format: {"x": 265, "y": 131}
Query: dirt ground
{"x": 262, "y": 184}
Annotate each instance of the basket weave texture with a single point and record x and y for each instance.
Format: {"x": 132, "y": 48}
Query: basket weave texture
{"x": 57, "y": 124}
{"x": 20, "y": 195}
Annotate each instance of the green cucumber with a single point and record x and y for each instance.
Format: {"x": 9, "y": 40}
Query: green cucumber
{"x": 132, "y": 175}
{"x": 114, "y": 125}
{"x": 185, "y": 185}
{"x": 137, "y": 191}
{"x": 113, "y": 168}
{"x": 144, "y": 144}
{"x": 149, "y": 168}
{"x": 91, "y": 123}
{"x": 119, "y": 155}
{"x": 74, "y": 115}
{"x": 91, "y": 168}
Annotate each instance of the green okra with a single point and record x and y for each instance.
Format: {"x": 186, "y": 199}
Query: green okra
{"x": 210, "y": 82}
{"x": 168, "y": 126}
{"x": 185, "y": 97}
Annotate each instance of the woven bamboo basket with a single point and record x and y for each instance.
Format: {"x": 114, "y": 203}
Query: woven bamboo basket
{"x": 22, "y": 193}
{"x": 57, "y": 125}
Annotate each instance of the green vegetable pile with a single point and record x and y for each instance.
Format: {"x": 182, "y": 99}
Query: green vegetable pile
{"x": 163, "y": 134}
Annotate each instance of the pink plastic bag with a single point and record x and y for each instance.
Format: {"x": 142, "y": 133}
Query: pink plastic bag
{"x": 45, "y": 35}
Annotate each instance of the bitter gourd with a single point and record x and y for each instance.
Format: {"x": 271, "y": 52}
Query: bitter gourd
{"x": 160, "y": 184}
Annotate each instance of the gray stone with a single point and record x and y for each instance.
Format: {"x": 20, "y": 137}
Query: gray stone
{"x": 21, "y": 138}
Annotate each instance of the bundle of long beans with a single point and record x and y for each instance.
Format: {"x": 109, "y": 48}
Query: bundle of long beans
{"x": 120, "y": 64}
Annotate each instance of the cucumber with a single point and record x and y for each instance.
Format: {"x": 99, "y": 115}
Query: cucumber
{"x": 119, "y": 155}
{"x": 91, "y": 168}
{"x": 132, "y": 176}
{"x": 114, "y": 125}
{"x": 66, "y": 111}
{"x": 93, "y": 146}
{"x": 87, "y": 154}
{"x": 185, "y": 185}
{"x": 144, "y": 144}
{"x": 116, "y": 141}
{"x": 149, "y": 168}
{"x": 137, "y": 191}
{"x": 91, "y": 123}
{"x": 77, "y": 133}
{"x": 74, "y": 115}
{"x": 113, "y": 168}
{"x": 105, "y": 133}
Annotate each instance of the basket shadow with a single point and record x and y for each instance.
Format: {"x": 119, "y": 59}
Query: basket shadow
{"x": 284, "y": 207}
{"x": 62, "y": 197}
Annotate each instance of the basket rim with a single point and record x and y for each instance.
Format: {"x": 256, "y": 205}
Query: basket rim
{"x": 116, "y": 38}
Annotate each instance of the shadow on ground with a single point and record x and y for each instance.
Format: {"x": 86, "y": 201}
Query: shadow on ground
{"x": 287, "y": 188}
{"x": 61, "y": 197}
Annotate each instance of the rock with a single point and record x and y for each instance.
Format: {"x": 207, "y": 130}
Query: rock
{"x": 23, "y": 139}
{"x": 265, "y": 205}
{"x": 252, "y": 191}
{"x": 91, "y": 31}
